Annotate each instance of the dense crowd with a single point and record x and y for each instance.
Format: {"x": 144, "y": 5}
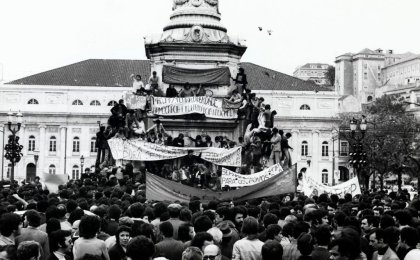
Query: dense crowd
{"x": 262, "y": 144}
{"x": 109, "y": 218}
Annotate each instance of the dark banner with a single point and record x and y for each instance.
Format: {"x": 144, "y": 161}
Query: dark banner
{"x": 161, "y": 189}
{"x": 180, "y": 76}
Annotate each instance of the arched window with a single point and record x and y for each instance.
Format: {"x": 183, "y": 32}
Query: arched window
{"x": 33, "y": 101}
{"x": 112, "y": 103}
{"x": 75, "y": 172}
{"x": 95, "y": 103}
{"x": 77, "y": 102}
{"x": 93, "y": 148}
{"x": 76, "y": 145}
{"x": 305, "y": 107}
{"x": 53, "y": 144}
{"x": 325, "y": 176}
{"x": 31, "y": 143}
{"x": 304, "y": 148}
{"x": 51, "y": 169}
{"x": 325, "y": 148}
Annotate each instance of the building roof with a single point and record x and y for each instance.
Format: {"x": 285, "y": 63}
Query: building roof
{"x": 115, "y": 73}
{"x": 309, "y": 66}
{"x": 261, "y": 78}
{"x": 93, "y": 72}
{"x": 367, "y": 51}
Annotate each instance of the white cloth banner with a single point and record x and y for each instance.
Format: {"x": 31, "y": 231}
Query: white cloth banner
{"x": 310, "y": 187}
{"x": 209, "y": 106}
{"x": 135, "y": 101}
{"x": 233, "y": 179}
{"x": 137, "y": 150}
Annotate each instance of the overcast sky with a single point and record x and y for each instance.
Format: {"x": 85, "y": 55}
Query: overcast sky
{"x": 39, "y": 35}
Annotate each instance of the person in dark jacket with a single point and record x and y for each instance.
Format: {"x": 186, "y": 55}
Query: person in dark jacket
{"x": 171, "y": 91}
{"x": 118, "y": 251}
{"x": 61, "y": 244}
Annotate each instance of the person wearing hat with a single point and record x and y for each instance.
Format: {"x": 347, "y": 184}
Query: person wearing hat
{"x": 230, "y": 236}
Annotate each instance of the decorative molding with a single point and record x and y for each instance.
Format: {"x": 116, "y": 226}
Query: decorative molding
{"x": 93, "y": 130}
{"x": 52, "y": 129}
{"x": 76, "y": 130}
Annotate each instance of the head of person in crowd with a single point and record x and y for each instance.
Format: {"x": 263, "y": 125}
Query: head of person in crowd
{"x": 271, "y": 250}
{"x": 409, "y": 238}
{"x": 192, "y": 253}
{"x": 202, "y": 224}
{"x": 323, "y": 235}
{"x": 166, "y": 229}
{"x": 201, "y": 240}
{"x": 140, "y": 248}
{"x": 217, "y": 235}
{"x": 195, "y": 206}
{"x": 60, "y": 240}
{"x": 89, "y": 226}
{"x": 212, "y": 252}
{"x": 28, "y": 250}
{"x": 32, "y": 218}
{"x": 305, "y": 244}
{"x": 123, "y": 236}
{"x": 274, "y": 232}
{"x": 238, "y": 214}
{"x": 10, "y": 225}
{"x": 250, "y": 228}
{"x": 186, "y": 232}
{"x": 174, "y": 210}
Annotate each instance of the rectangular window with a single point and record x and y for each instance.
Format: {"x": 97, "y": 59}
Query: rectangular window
{"x": 76, "y": 146}
{"x": 53, "y": 146}
{"x": 365, "y": 76}
{"x": 93, "y": 148}
{"x": 344, "y": 148}
{"x": 325, "y": 150}
{"x": 324, "y": 178}
{"x": 304, "y": 150}
{"x": 31, "y": 145}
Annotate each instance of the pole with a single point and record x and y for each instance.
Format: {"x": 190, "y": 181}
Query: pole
{"x": 12, "y": 172}
{"x": 333, "y": 163}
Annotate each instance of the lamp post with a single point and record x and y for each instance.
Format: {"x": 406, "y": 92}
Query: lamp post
{"x": 13, "y": 148}
{"x": 358, "y": 156}
{"x": 82, "y": 162}
{"x": 36, "y": 158}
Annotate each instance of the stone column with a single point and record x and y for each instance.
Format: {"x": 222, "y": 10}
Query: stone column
{"x": 42, "y": 150}
{"x": 3, "y": 160}
{"x": 20, "y": 168}
{"x": 62, "y": 150}
{"x": 315, "y": 156}
{"x": 295, "y": 145}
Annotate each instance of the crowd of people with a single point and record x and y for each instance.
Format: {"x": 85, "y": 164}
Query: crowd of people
{"x": 109, "y": 218}
{"x": 262, "y": 144}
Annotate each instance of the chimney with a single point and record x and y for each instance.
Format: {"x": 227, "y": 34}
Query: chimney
{"x": 390, "y": 51}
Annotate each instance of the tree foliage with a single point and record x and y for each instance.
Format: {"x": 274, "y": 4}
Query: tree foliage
{"x": 331, "y": 75}
{"x": 390, "y": 141}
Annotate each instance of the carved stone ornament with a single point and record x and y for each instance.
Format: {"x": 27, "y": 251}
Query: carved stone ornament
{"x": 178, "y": 3}
{"x": 197, "y": 33}
{"x": 212, "y": 2}
{"x": 196, "y": 3}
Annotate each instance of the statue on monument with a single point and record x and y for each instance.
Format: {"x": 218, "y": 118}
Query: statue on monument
{"x": 196, "y": 3}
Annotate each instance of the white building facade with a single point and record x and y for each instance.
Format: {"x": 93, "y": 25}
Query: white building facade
{"x": 315, "y": 72}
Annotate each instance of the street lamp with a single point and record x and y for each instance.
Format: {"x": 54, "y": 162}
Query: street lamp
{"x": 358, "y": 157}
{"x": 82, "y": 162}
{"x": 13, "y": 148}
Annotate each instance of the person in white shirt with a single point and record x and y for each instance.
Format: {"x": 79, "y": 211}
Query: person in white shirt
{"x": 137, "y": 83}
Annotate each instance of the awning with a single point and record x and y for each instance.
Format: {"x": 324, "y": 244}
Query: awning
{"x": 180, "y": 76}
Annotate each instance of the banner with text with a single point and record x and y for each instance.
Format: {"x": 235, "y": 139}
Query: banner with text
{"x": 233, "y": 179}
{"x": 210, "y": 107}
{"x": 135, "y": 101}
{"x": 310, "y": 187}
{"x": 161, "y": 189}
{"x": 52, "y": 181}
{"x": 136, "y": 150}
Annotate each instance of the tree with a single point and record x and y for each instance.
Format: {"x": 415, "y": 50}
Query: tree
{"x": 390, "y": 142}
{"x": 331, "y": 75}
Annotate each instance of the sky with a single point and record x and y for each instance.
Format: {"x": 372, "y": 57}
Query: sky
{"x": 37, "y": 36}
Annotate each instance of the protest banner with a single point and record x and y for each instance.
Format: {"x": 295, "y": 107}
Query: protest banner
{"x": 233, "y": 179}
{"x": 310, "y": 187}
{"x": 136, "y": 150}
{"x": 161, "y": 189}
{"x": 52, "y": 181}
{"x": 135, "y": 101}
{"x": 209, "y": 106}
{"x": 230, "y": 104}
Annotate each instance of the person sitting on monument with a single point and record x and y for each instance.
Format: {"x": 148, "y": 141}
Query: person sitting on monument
{"x": 240, "y": 81}
{"x": 171, "y": 91}
{"x": 119, "y": 111}
{"x": 178, "y": 141}
{"x": 138, "y": 85}
{"x": 157, "y": 127}
{"x": 235, "y": 97}
{"x": 187, "y": 91}
{"x": 134, "y": 126}
{"x": 200, "y": 92}
{"x": 154, "y": 80}
{"x": 189, "y": 161}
